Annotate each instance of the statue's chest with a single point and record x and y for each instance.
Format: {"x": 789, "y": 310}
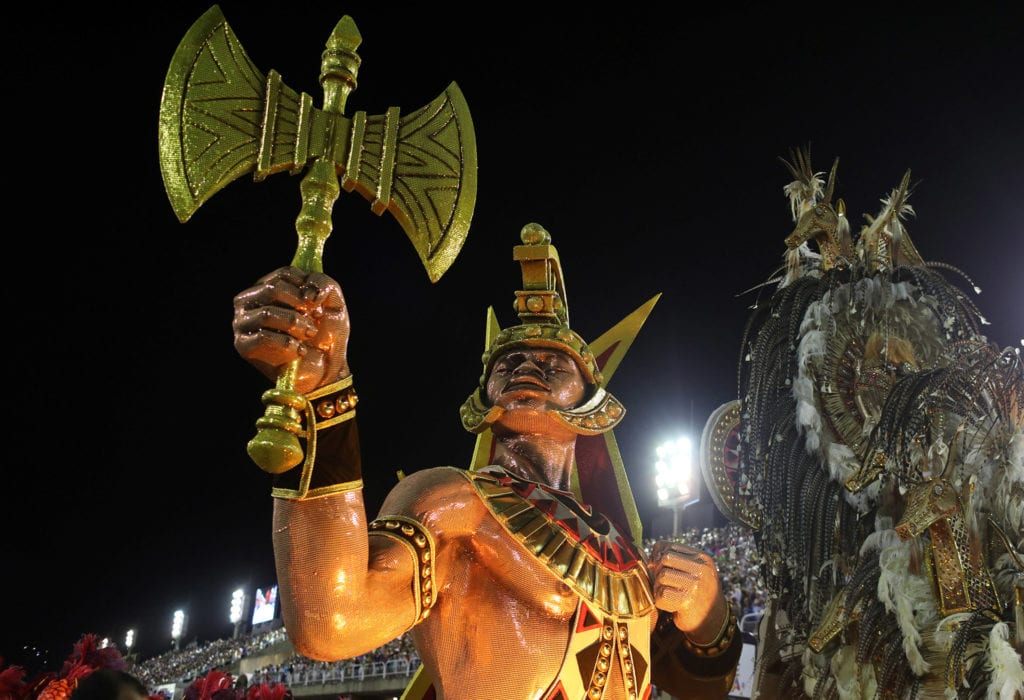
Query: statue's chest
{"x": 582, "y": 548}
{"x": 607, "y": 651}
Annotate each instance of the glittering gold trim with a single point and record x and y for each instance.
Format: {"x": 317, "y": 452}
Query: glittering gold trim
{"x": 598, "y": 415}
{"x": 595, "y": 649}
{"x": 420, "y": 544}
{"x": 545, "y": 335}
{"x": 948, "y": 570}
{"x": 832, "y": 623}
{"x": 476, "y": 416}
{"x": 927, "y": 503}
{"x": 332, "y": 404}
{"x": 837, "y": 387}
{"x": 720, "y": 438}
{"x": 628, "y": 666}
{"x": 867, "y": 473}
{"x": 305, "y": 492}
{"x": 344, "y": 383}
{"x": 718, "y": 645}
{"x": 625, "y": 593}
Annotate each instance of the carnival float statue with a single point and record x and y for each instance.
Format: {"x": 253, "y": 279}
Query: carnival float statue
{"x": 518, "y": 576}
{"x": 876, "y": 449}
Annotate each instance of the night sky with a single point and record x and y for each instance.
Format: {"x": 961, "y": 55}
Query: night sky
{"x": 646, "y": 142}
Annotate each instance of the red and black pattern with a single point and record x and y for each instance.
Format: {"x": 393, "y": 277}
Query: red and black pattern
{"x": 594, "y": 532}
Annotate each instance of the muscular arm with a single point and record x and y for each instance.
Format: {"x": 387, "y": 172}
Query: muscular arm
{"x": 345, "y": 591}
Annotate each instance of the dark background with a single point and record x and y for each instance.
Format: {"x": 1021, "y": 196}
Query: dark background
{"x": 646, "y": 141}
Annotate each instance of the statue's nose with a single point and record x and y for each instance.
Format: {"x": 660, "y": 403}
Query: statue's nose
{"x": 529, "y": 367}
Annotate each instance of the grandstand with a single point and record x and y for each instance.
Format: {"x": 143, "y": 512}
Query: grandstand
{"x": 268, "y": 657}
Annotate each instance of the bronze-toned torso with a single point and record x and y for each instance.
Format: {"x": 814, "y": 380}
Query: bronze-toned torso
{"x": 506, "y": 623}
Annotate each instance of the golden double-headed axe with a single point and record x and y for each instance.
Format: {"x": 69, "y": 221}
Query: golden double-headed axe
{"x": 221, "y": 118}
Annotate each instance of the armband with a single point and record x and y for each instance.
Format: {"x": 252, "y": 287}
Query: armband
{"x": 333, "y": 463}
{"x": 420, "y": 544}
{"x": 718, "y": 645}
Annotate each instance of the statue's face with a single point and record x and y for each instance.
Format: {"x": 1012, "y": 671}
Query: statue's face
{"x": 537, "y": 378}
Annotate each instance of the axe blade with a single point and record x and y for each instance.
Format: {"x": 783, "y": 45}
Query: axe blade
{"x": 422, "y": 168}
{"x": 209, "y": 114}
{"x": 221, "y": 118}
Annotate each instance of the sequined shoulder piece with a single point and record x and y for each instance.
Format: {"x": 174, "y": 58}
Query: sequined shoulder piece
{"x": 579, "y": 546}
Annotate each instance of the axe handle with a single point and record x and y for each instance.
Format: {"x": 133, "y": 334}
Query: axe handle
{"x": 276, "y": 447}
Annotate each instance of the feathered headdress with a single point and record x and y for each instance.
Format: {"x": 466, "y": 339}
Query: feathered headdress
{"x": 816, "y": 219}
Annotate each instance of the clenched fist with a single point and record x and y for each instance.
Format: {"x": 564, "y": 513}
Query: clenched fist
{"x": 686, "y": 585}
{"x": 290, "y": 315}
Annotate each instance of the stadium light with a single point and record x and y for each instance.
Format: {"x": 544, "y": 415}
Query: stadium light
{"x": 177, "y": 627}
{"x": 129, "y": 641}
{"x": 236, "y": 612}
{"x": 674, "y": 477}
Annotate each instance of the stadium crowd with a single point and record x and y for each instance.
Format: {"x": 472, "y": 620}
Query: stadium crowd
{"x": 732, "y": 547}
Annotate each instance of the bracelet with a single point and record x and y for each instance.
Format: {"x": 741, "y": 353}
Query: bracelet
{"x": 332, "y": 404}
{"x": 717, "y": 645}
{"x": 329, "y": 407}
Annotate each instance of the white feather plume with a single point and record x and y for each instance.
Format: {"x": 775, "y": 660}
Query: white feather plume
{"x": 1015, "y": 468}
{"x": 907, "y": 596}
{"x": 842, "y": 462}
{"x": 1004, "y": 666}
